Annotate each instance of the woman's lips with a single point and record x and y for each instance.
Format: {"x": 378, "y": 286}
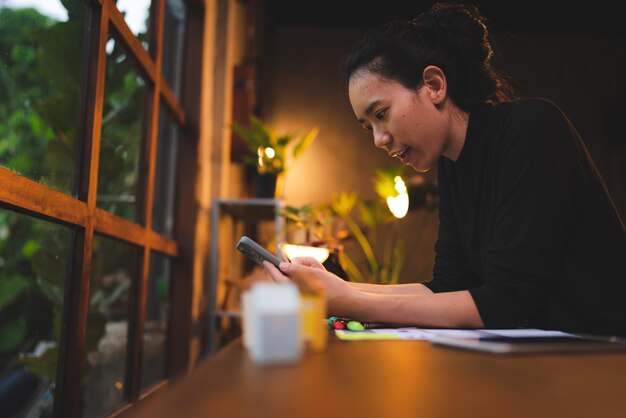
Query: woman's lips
{"x": 405, "y": 155}
{"x": 401, "y": 154}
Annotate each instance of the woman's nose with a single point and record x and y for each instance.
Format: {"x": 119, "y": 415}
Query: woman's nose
{"x": 382, "y": 139}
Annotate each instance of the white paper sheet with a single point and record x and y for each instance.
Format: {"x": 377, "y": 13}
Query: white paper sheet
{"x": 411, "y": 333}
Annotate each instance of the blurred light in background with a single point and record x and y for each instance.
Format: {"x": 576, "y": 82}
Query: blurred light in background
{"x": 399, "y": 204}
{"x": 292, "y": 251}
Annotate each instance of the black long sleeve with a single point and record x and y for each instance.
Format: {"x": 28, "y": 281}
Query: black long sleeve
{"x": 526, "y": 225}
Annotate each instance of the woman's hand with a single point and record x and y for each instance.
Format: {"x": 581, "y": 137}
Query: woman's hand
{"x": 310, "y": 276}
{"x": 309, "y": 262}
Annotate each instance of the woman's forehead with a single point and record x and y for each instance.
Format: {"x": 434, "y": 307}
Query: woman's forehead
{"x": 366, "y": 83}
{"x": 369, "y": 87}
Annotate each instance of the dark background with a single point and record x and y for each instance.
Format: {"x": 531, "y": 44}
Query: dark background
{"x": 526, "y": 16}
{"x": 574, "y": 56}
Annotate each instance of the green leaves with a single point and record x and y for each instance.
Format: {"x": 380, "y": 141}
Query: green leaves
{"x": 43, "y": 365}
{"x": 259, "y": 136}
{"x": 40, "y": 79}
{"x": 10, "y": 289}
{"x": 314, "y": 219}
{"x": 305, "y": 141}
{"x": 12, "y": 334}
{"x": 343, "y": 203}
{"x": 384, "y": 182}
{"x": 369, "y": 224}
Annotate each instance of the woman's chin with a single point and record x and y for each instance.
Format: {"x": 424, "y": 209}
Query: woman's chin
{"x": 419, "y": 167}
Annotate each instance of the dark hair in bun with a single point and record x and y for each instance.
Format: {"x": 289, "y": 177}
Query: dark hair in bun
{"x": 453, "y": 37}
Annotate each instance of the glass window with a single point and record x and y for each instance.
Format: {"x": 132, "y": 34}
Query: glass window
{"x": 114, "y": 268}
{"x": 165, "y": 175}
{"x": 123, "y": 118}
{"x": 40, "y": 81}
{"x": 157, "y": 315}
{"x": 173, "y": 38}
{"x": 34, "y": 258}
{"x": 137, "y": 16}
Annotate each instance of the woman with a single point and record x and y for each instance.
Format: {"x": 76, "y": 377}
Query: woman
{"x": 528, "y": 234}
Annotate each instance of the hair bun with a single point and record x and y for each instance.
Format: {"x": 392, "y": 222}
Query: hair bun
{"x": 464, "y": 27}
{"x": 453, "y": 37}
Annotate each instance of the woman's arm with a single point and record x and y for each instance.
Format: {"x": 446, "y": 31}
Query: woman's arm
{"x": 392, "y": 289}
{"x": 439, "y": 310}
{"x": 450, "y": 309}
{"x": 388, "y": 289}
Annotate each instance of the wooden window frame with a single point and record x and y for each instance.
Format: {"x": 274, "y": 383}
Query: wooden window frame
{"x": 21, "y": 194}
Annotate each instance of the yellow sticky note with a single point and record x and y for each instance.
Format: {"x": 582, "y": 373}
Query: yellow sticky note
{"x": 363, "y": 335}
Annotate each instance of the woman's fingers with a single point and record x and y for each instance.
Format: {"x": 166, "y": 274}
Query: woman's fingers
{"x": 339, "y": 295}
{"x": 274, "y": 274}
{"x": 307, "y": 278}
{"x": 308, "y": 261}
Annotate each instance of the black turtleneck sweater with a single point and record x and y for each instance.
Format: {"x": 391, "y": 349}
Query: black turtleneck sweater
{"x": 528, "y": 227}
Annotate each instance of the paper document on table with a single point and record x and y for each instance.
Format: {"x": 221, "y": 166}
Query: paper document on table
{"x": 428, "y": 334}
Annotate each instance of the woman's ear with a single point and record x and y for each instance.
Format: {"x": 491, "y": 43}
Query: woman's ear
{"x": 435, "y": 83}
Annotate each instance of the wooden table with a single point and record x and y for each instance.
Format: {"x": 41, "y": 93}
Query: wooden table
{"x": 394, "y": 379}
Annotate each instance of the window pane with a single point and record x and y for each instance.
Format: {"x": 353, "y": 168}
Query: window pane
{"x": 157, "y": 314}
{"x": 173, "y": 38}
{"x": 114, "y": 268}
{"x": 124, "y": 115}
{"x": 34, "y": 257}
{"x": 165, "y": 175}
{"x": 41, "y": 60}
{"x": 137, "y": 16}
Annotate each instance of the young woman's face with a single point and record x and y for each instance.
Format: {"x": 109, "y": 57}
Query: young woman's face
{"x": 405, "y": 123}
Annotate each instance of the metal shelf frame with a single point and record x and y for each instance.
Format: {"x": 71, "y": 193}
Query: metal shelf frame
{"x": 240, "y": 210}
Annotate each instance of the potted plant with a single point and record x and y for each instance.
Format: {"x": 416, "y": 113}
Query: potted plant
{"x": 366, "y": 228}
{"x": 271, "y": 153}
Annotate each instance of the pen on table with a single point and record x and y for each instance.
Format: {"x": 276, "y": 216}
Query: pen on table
{"x": 378, "y": 325}
{"x": 351, "y": 325}
{"x": 362, "y": 326}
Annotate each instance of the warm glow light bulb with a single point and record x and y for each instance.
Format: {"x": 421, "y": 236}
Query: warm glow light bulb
{"x": 399, "y": 185}
{"x": 399, "y": 205}
{"x": 259, "y": 151}
{"x": 293, "y": 251}
{"x": 269, "y": 152}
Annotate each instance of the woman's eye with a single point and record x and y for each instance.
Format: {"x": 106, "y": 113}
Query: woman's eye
{"x": 381, "y": 114}
{"x": 367, "y": 128}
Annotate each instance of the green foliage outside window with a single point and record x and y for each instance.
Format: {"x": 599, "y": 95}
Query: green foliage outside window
{"x": 41, "y": 70}
{"x": 39, "y": 93}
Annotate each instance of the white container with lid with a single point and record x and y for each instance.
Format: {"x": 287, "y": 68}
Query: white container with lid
{"x": 272, "y": 323}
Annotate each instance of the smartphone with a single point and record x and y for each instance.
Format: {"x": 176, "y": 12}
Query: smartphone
{"x": 255, "y": 252}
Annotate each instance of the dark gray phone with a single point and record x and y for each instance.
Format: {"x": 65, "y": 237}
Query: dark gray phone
{"x": 255, "y": 252}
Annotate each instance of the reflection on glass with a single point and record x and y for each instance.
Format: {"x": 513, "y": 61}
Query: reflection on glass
{"x": 34, "y": 258}
{"x": 123, "y": 116}
{"x": 40, "y": 82}
{"x": 157, "y": 313}
{"x": 137, "y": 16}
{"x": 173, "y": 38}
{"x": 114, "y": 268}
{"x": 165, "y": 175}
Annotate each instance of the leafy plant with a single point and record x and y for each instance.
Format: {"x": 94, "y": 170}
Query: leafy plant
{"x": 371, "y": 214}
{"x": 316, "y": 222}
{"x": 349, "y": 219}
{"x": 385, "y": 180}
{"x": 272, "y": 152}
